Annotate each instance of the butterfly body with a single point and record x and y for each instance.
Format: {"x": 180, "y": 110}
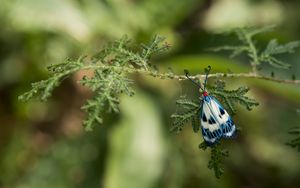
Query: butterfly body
{"x": 215, "y": 121}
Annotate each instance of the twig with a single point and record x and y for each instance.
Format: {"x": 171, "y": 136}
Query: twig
{"x": 244, "y": 75}
{"x": 198, "y": 76}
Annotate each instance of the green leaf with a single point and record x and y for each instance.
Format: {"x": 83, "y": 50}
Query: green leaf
{"x": 251, "y": 31}
{"x": 110, "y": 67}
{"x": 154, "y": 47}
{"x": 275, "y": 62}
{"x": 188, "y": 111}
{"x": 94, "y": 108}
{"x": 216, "y": 162}
{"x": 257, "y": 56}
{"x": 203, "y": 146}
{"x": 231, "y": 97}
{"x": 295, "y": 143}
{"x": 274, "y": 48}
{"x": 43, "y": 89}
{"x": 236, "y": 50}
{"x": 217, "y": 157}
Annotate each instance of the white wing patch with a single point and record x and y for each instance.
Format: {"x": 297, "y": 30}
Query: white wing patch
{"x": 219, "y": 112}
{"x": 207, "y": 120}
{"x": 215, "y": 121}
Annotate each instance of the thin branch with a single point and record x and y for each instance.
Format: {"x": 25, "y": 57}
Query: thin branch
{"x": 246, "y": 75}
{"x": 198, "y": 76}
{"x": 252, "y": 53}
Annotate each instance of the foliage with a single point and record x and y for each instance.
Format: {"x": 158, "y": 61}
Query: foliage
{"x": 257, "y": 56}
{"x": 113, "y": 65}
{"x": 189, "y": 111}
{"x": 295, "y": 143}
{"x": 230, "y": 97}
{"x": 217, "y": 158}
{"x": 110, "y": 76}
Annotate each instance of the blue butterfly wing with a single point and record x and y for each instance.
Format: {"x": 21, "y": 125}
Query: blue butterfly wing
{"x": 215, "y": 121}
{"x": 228, "y": 129}
{"x": 227, "y": 124}
{"x": 211, "y": 128}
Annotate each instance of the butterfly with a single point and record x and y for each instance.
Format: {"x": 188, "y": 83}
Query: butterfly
{"x": 216, "y": 123}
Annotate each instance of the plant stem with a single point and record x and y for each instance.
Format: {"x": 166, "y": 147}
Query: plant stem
{"x": 248, "y": 75}
{"x": 253, "y": 53}
{"x": 198, "y": 76}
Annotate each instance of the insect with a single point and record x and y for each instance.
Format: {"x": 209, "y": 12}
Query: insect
{"x": 216, "y": 123}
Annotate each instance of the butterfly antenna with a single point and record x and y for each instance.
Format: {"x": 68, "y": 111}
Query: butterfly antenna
{"x": 187, "y": 75}
{"x": 207, "y": 73}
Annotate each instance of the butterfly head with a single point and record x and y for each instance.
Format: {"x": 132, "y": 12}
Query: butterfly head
{"x": 205, "y": 93}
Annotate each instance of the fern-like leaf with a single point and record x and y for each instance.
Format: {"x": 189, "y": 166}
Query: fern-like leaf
{"x": 111, "y": 67}
{"x": 217, "y": 157}
{"x": 43, "y": 89}
{"x": 249, "y": 32}
{"x": 257, "y": 56}
{"x": 217, "y": 160}
{"x": 94, "y": 108}
{"x": 188, "y": 112}
{"x": 236, "y": 50}
{"x": 231, "y": 97}
{"x": 273, "y": 48}
{"x": 295, "y": 143}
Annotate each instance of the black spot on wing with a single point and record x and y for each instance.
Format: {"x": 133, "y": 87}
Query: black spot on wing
{"x": 204, "y": 117}
{"x": 211, "y": 120}
{"x": 221, "y": 111}
{"x": 228, "y": 126}
{"x": 203, "y": 132}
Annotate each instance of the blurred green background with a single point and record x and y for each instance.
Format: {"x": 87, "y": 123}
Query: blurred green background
{"x": 43, "y": 145}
